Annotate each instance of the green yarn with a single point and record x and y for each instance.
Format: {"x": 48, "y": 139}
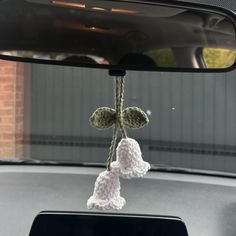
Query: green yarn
{"x": 134, "y": 118}
{"x": 105, "y": 117}
{"x": 120, "y": 101}
{"x": 112, "y": 148}
{"x": 131, "y": 117}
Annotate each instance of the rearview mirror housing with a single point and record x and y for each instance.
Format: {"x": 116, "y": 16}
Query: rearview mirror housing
{"x": 119, "y": 35}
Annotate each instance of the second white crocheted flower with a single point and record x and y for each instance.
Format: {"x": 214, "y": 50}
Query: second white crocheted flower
{"x": 106, "y": 192}
{"x": 129, "y": 161}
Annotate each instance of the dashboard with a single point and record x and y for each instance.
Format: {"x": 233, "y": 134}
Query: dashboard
{"x": 206, "y": 204}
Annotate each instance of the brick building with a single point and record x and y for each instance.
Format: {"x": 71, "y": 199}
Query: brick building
{"x": 13, "y": 80}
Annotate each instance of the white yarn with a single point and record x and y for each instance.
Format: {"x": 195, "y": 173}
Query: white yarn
{"x": 129, "y": 161}
{"x": 129, "y": 164}
{"x": 106, "y": 193}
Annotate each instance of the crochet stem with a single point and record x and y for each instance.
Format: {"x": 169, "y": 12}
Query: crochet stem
{"x": 115, "y": 129}
{"x": 119, "y": 105}
{"x": 119, "y": 99}
{"x": 112, "y": 148}
{"x": 117, "y": 92}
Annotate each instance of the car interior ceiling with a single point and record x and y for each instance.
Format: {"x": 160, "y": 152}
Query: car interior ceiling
{"x": 136, "y": 33}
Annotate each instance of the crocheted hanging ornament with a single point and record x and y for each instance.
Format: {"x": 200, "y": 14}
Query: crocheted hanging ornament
{"x": 106, "y": 193}
{"x": 129, "y": 161}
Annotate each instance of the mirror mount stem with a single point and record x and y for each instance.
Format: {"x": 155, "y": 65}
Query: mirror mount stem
{"x": 117, "y": 73}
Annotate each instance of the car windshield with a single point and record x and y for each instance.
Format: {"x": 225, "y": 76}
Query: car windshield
{"x": 45, "y": 110}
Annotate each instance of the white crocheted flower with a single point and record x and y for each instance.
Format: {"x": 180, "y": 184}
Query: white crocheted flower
{"x": 129, "y": 161}
{"x": 106, "y": 193}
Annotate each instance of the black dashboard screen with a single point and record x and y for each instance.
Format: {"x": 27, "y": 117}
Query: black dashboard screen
{"x": 85, "y": 224}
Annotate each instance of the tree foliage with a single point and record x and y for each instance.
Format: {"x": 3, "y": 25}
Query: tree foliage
{"x": 219, "y": 58}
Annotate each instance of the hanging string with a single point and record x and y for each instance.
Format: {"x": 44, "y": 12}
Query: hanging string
{"x": 119, "y": 100}
{"x": 117, "y": 92}
{"x": 115, "y": 129}
{"x": 112, "y": 148}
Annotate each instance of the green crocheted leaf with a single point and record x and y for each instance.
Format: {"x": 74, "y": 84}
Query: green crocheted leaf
{"x": 134, "y": 118}
{"x": 103, "y": 117}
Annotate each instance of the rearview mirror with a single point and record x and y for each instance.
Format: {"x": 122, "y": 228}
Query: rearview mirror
{"x": 118, "y": 34}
